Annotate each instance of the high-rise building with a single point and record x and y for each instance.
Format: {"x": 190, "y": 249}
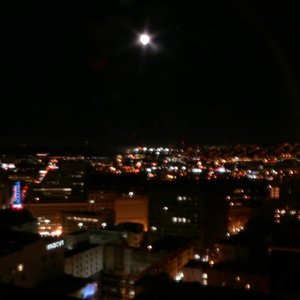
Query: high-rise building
{"x": 67, "y": 182}
{"x": 188, "y": 209}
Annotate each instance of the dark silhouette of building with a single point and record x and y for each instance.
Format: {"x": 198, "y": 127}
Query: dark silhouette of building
{"x": 190, "y": 209}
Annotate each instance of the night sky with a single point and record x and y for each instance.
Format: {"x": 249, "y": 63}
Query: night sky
{"x": 217, "y": 72}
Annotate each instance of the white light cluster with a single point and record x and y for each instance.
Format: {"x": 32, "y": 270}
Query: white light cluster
{"x": 182, "y": 198}
{"x": 180, "y": 220}
{"x": 179, "y": 276}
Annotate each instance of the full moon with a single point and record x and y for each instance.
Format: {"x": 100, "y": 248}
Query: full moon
{"x": 144, "y": 39}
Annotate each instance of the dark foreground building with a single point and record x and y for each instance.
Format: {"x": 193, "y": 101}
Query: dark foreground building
{"x": 189, "y": 209}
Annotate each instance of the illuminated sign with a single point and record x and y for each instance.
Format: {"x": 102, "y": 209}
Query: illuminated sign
{"x": 16, "y": 197}
{"x": 55, "y": 245}
{"x": 89, "y": 290}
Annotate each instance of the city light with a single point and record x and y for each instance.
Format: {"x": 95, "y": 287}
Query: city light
{"x": 179, "y": 276}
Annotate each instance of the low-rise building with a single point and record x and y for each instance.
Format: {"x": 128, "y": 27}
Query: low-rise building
{"x": 73, "y": 221}
{"x": 27, "y": 260}
{"x": 84, "y": 261}
{"x": 124, "y": 267}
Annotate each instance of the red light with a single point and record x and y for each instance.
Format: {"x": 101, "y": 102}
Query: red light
{"x": 16, "y": 206}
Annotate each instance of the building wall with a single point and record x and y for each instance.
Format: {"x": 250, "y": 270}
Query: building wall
{"x": 74, "y": 221}
{"x": 117, "y": 258}
{"x": 173, "y": 263}
{"x": 132, "y": 209}
{"x": 124, "y": 267}
{"x": 99, "y": 200}
{"x": 243, "y": 281}
{"x": 32, "y": 264}
{"x": 135, "y": 239}
{"x": 86, "y": 263}
{"x": 53, "y": 211}
{"x": 188, "y": 213}
{"x": 71, "y": 240}
{"x": 127, "y": 209}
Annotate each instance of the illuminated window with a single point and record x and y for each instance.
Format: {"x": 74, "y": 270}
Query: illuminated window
{"x": 247, "y": 286}
{"x": 130, "y": 194}
{"x": 197, "y": 256}
{"x": 204, "y": 276}
{"x": 20, "y": 267}
{"x": 204, "y": 282}
{"x": 179, "y": 276}
{"x": 174, "y": 219}
{"x": 153, "y": 228}
{"x": 179, "y": 198}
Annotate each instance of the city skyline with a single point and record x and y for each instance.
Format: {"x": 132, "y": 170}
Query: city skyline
{"x": 218, "y": 74}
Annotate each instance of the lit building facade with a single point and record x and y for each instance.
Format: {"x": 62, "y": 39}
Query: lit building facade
{"x": 73, "y": 221}
{"x": 132, "y": 208}
{"x": 49, "y": 214}
{"x": 85, "y": 260}
{"x": 128, "y": 208}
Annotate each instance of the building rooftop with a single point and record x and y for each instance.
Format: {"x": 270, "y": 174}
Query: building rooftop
{"x": 10, "y": 217}
{"x": 11, "y": 241}
{"x": 79, "y": 232}
{"x": 79, "y": 248}
{"x": 86, "y": 213}
{"x": 130, "y": 226}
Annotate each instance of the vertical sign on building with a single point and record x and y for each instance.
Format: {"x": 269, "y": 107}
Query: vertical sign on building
{"x": 16, "y": 197}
